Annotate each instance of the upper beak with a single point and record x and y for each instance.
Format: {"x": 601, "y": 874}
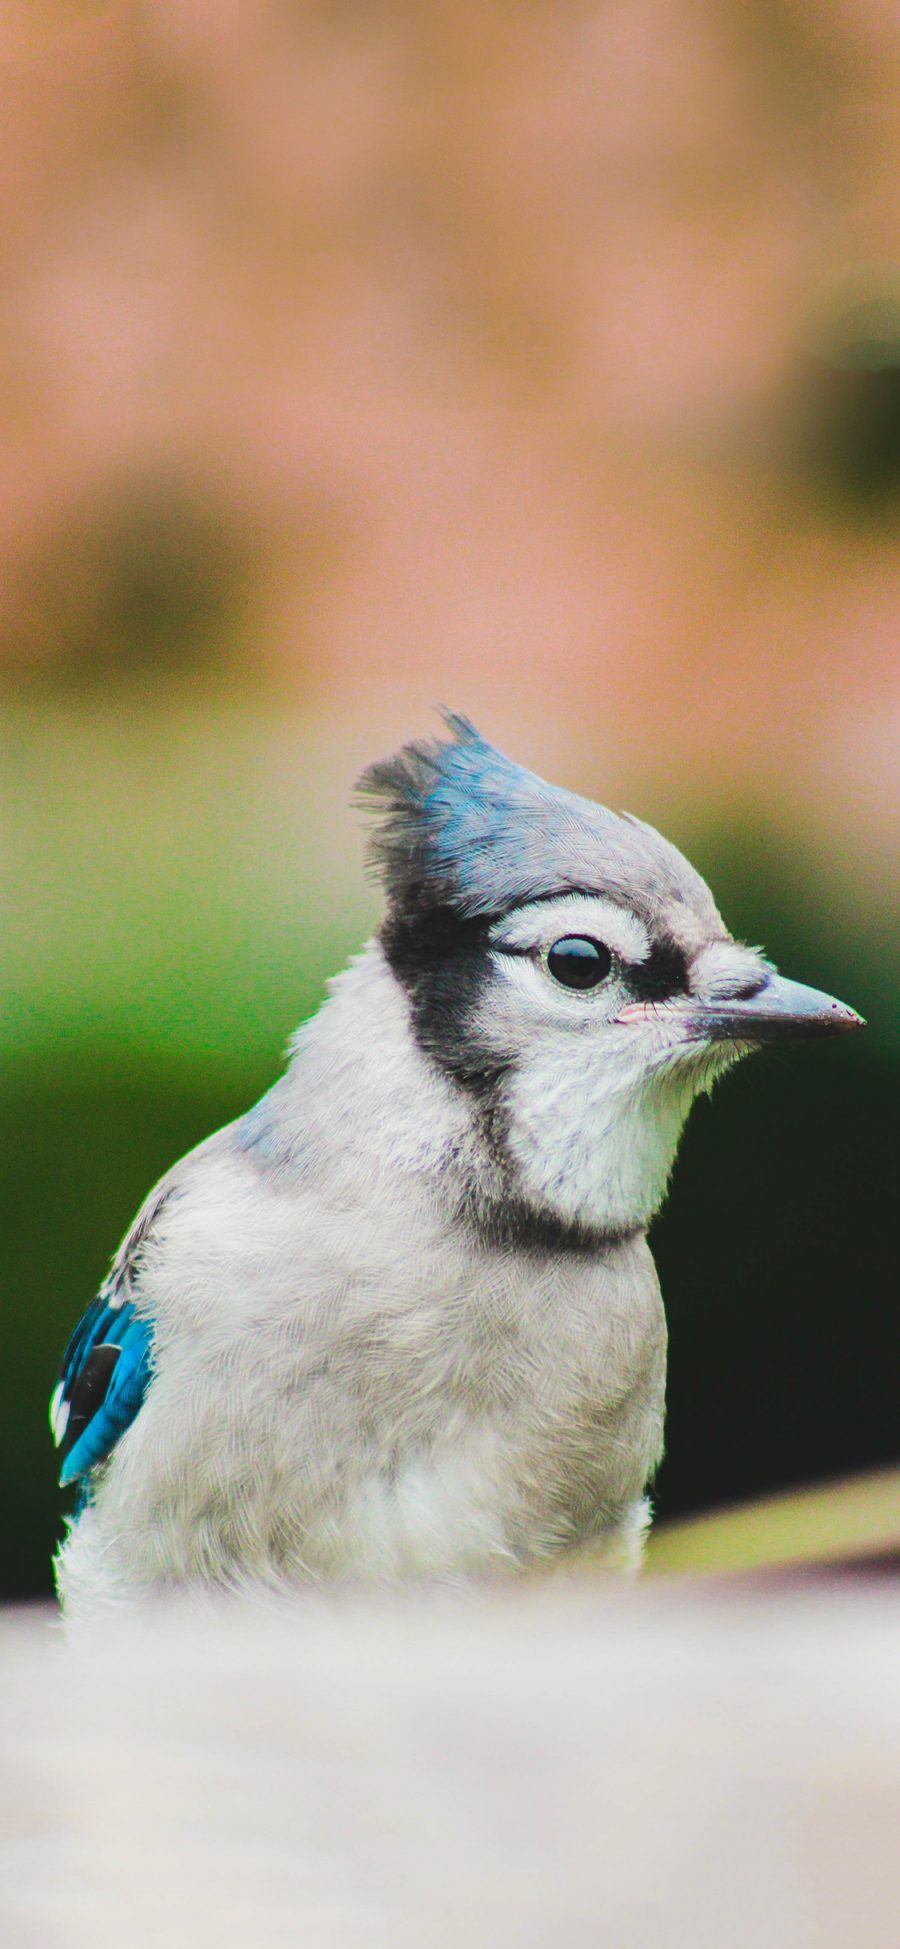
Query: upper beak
{"x": 780, "y": 1008}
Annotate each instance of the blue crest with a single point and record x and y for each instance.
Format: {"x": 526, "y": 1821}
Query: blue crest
{"x": 463, "y": 827}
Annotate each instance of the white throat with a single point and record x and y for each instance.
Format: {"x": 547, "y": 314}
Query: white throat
{"x": 592, "y": 1146}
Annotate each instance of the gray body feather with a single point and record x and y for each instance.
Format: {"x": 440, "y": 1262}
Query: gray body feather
{"x": 351, "y": 1380}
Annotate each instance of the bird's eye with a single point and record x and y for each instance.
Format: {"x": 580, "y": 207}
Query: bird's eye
{"x": 579, "y": 962}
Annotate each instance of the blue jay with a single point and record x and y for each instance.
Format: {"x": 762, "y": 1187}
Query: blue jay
{"x": 401, "y": 1319}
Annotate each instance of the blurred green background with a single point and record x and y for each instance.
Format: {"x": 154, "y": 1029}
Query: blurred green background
{"x": 544, "y": 361}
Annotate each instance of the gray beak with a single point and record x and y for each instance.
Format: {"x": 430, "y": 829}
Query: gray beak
{"x": 779, "y": 1009}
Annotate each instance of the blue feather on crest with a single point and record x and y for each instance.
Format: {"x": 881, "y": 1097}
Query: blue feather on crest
{"x": 465, "y": 829}
{"x": 464, "y": 826}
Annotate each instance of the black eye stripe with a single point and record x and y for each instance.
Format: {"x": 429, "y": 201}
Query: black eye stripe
{"x": 664, "y": 973}
{"x": 578, "y": 961}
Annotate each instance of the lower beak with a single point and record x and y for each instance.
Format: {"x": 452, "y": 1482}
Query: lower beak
{"x": 779, "y": 1009}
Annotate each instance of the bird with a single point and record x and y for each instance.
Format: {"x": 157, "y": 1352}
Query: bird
{"x": 400, "y": 1321}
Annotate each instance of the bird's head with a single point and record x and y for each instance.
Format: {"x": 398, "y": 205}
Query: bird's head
{"x": 567, "y": 967}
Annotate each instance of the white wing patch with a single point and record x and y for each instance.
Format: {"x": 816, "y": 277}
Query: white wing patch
{"x": 59, "y": 1414}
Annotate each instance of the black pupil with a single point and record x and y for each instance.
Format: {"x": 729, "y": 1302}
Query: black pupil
{"x": 579, "y": 962}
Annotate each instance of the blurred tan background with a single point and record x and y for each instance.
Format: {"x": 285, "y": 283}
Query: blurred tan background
{"x": 539, "y": 355}
{"x": 543, "y": 359}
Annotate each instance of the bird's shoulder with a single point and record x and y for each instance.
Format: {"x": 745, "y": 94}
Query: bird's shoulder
{"x": 107, "y": 1364}
{"x": 110, "y": 1357}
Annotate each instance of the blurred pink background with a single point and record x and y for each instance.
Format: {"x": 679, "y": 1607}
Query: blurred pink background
{"x": 506, "y": 355}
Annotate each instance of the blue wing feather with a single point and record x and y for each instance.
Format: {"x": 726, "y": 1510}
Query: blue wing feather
{"x": 105, "y": 1374}
{"x": 108, "y": 1363}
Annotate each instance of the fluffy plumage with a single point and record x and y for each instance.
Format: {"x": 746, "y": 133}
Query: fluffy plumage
{"x": 402, "y": 1319}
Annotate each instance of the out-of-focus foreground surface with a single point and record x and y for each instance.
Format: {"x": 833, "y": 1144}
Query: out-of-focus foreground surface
{"x": 544, "y": 359}
{"x": 620, "y": 1768}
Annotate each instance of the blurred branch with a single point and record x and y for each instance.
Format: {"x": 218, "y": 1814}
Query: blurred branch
{"x": 853, "y": 1519}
